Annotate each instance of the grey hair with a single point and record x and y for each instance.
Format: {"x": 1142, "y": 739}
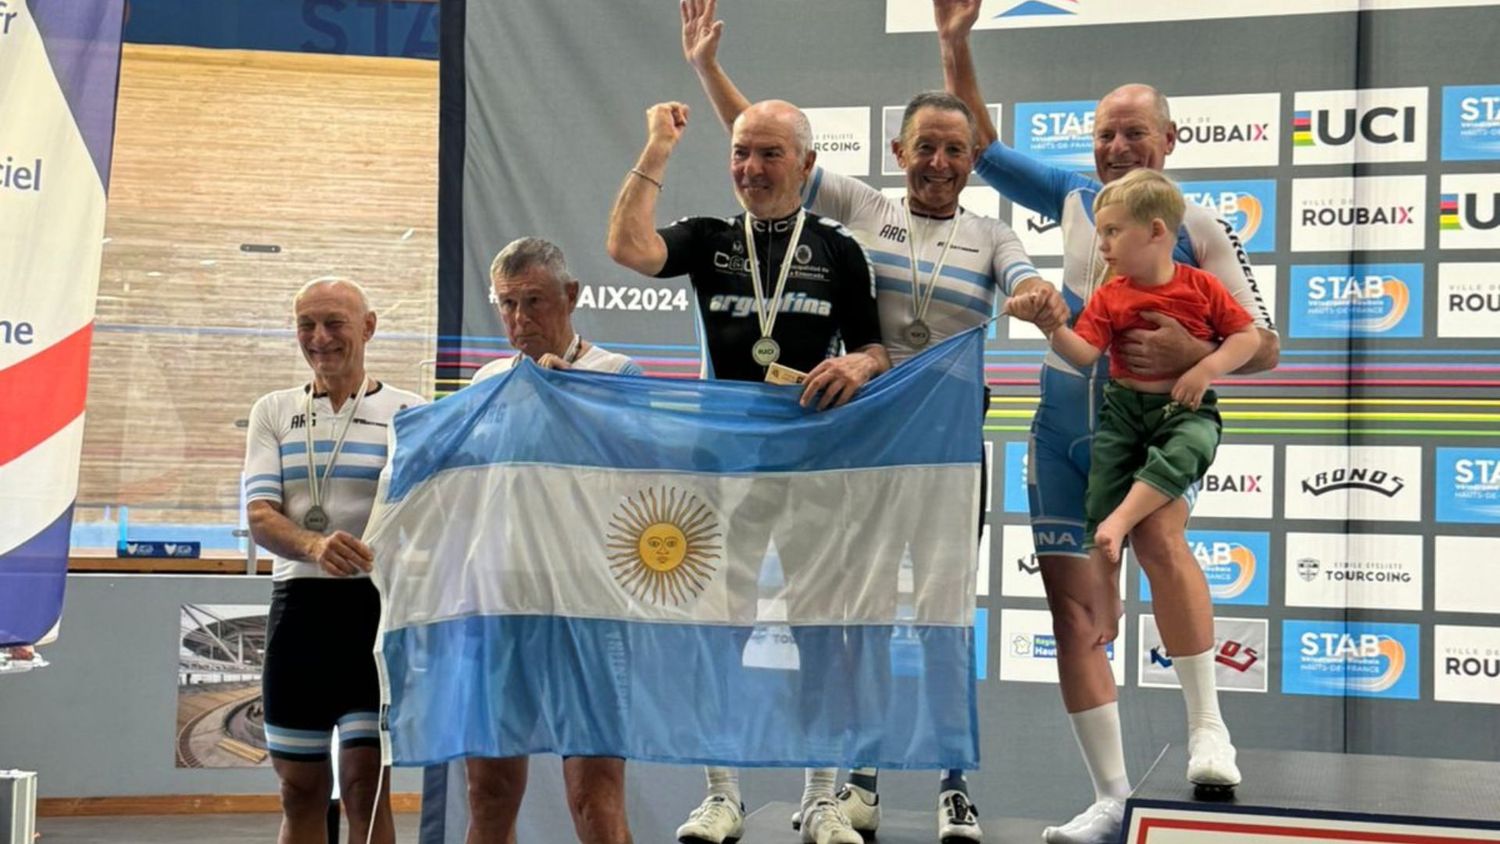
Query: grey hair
{"x": 802, "y": 132}
{"x": 333, "y": 281}
{"x": 523, "y": 253}
{"x": 941, "y": 100}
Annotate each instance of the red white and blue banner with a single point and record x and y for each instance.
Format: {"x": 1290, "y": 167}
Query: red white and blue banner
{"x": 59, "y": 70}
{"x": 689, "y": 572}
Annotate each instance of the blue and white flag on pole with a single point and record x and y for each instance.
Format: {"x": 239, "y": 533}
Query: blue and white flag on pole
{"x": 699, "y": 572}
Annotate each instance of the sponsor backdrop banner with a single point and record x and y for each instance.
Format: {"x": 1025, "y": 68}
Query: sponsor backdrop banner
{"x": 58, "y": 67}
{"x": 1354, "y": 505}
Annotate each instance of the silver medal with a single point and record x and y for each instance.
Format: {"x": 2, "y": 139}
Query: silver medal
{"x": 766, "y": 351}
{"x": 917, "y": 333}
{"x": 316, "y": 519}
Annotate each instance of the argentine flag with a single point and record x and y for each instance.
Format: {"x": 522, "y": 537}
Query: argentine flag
{"x": 691, "y": 572}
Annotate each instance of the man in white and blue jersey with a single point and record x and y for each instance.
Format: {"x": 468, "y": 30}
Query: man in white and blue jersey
{"x": 938, "y": 271}
{"x": 313, "y": 455}
{"x": 1132, "y": 128}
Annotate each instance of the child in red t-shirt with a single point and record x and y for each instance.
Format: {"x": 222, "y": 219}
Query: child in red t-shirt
{"x": 1156, "y": 436}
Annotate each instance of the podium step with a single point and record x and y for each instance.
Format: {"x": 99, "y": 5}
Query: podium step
{"x": 772, "y": 823}
{"x": 1290, "y": 797}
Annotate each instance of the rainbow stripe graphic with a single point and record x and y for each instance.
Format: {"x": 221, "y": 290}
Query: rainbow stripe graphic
{"x": 1448, "y": 213}
{"x": 1302, "y": 135}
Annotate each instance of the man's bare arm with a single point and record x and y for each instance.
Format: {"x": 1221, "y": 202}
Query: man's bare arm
{"x": 338, "y": 553}
{"x": 955, "y": 19}
{"x": 701, "y": 30}
{"x": 632, "y": 240}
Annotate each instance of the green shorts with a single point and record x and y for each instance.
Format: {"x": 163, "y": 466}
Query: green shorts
{"x": 1147, "y": 437}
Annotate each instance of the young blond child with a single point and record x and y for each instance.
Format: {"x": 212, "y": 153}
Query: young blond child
{"x": 1156, "y": 436}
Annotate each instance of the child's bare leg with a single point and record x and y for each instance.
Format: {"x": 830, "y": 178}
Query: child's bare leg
{"x": 1142, "y": 500}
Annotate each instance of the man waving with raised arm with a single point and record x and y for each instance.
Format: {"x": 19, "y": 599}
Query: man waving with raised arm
{"x": 1132, "y": 128}
{"x": 938, "y": 271}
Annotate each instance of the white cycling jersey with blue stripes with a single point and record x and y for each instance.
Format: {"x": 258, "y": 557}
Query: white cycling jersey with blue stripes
{"x": 986, "y": 257}
{"x": 1204, "y": 241}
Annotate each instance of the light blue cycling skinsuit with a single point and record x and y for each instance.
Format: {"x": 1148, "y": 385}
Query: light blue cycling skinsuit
{"x": 1063, "y": 428}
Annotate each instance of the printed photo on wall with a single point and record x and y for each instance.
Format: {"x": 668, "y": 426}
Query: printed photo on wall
{"x": 219, "y": 713}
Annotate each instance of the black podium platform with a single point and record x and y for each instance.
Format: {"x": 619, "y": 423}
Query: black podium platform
{"x": 1290, "y": 797}
{"x": 772, "y": 823}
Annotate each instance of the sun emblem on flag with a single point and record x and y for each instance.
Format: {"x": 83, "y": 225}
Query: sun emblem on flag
{"x": 662, "y": 545}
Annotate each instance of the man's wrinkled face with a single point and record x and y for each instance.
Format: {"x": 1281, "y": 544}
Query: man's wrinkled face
{"x": 332, "y": 330}
{"x": 1128, "y": 133}
{"x": 937, "y": 154}
{"x": 537, "y": 311}
{"x": 764, "y": 163}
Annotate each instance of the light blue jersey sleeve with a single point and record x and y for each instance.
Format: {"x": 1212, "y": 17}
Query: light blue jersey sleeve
{"x": 632, "y": 368}
{"x": 1024, "y": 180}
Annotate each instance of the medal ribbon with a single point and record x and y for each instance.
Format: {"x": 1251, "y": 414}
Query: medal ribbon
{"x": 313, "y": 481}
{"x": 921, "y": 299}
{"x": 766, "y": 315}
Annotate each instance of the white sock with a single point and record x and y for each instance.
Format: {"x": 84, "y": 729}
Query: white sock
{"x": 1098, "y": 734}
{"x": 1196, "y": 674}
{"x": 725, "y": 781}
{"x": 818, "y": 784}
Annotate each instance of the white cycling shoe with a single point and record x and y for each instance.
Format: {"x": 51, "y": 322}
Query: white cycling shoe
{"x": 1098, "y": 824}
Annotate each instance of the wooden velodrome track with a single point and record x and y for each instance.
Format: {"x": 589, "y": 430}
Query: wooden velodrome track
{"x": 330, "y": 159}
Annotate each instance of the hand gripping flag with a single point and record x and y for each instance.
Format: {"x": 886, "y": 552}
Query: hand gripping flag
{"x": 701, "y": 572}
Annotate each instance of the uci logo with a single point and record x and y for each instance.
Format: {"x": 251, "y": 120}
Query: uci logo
{"x": 1464, "y": 212}
{"x": 1337, "y": 127}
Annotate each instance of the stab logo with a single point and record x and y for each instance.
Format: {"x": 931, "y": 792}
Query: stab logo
{"x": 1249, "y": 207}
{"x": 1344, "y": 214}
{"x": 1363, "y": 300}
{"x": 1342, "y": 127}
{"x": 1468, "y": 485}
{"x": 1468, "y": 300}
{"x": 1236, "y": 565}
{"x": 1354, "y": 659}
{"x": 1057, "y": 133}
{"x": 1469, "y": 211}
{"x": 1471, "y": 122}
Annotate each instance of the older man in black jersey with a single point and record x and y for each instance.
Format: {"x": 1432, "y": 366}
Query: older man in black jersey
{"x": 775, "y": 285}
